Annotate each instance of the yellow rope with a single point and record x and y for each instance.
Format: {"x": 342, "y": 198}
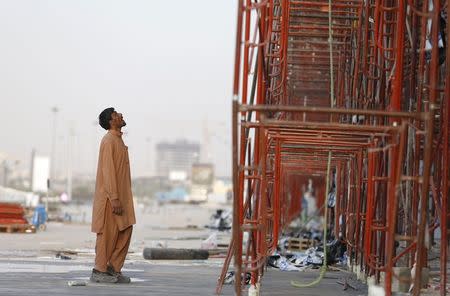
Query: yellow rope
{"x": 323, "y": 269}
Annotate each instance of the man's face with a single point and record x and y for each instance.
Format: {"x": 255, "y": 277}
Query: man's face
{"x": 117, "y": 120}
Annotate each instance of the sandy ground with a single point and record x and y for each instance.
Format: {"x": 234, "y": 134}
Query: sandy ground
{"x": 156, "y": 226}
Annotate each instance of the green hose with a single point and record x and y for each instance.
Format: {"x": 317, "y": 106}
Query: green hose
{"x": 323, "y": 269}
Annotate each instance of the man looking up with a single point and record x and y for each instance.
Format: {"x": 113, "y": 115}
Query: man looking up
{"x": 113, "y": 211}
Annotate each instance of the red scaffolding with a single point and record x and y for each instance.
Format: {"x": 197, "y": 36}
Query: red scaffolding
{"x": 365, "y": 81}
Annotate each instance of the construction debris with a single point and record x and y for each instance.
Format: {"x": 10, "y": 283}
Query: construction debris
{"x": 62, "y": 256}
{"x": 230, "y": 277}
{"x": 210, "y": 242}
{"x": 221, "y": 220}
{"x": 77, "y": 283}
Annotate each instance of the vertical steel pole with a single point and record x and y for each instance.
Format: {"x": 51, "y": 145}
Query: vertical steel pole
{"x": 237, "y": 235}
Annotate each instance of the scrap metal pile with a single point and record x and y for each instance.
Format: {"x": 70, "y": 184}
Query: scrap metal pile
{"x": 355, "y": 96}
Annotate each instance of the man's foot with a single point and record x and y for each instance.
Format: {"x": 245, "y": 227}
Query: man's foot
{"x": 121, "y": 279}
{"x": 102, "y": 277}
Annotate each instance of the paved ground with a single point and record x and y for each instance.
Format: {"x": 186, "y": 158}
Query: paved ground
{"x": 275, "y": 282}
{"x": 29, "y": 265}
{"x": 49, "y": 276}
{"x": 26, "y": 272}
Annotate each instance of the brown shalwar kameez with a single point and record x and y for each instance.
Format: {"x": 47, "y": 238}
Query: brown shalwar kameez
{"x": 113, "y": 182}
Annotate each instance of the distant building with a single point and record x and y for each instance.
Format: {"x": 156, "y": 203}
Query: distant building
{"x": 176, "y": 157}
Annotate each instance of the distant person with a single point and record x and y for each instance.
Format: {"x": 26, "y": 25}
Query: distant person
{"x": 113, "y": 211}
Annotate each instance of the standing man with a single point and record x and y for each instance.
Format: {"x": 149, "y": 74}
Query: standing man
{"x": 113, "y": 211}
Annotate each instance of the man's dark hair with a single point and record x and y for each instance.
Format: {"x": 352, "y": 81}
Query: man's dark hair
{"x": 105, "y": 117}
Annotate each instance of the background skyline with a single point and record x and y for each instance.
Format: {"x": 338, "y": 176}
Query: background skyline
{"x": 167, "y": 66}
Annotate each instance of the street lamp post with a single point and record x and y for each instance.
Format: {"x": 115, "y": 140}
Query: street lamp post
{"x": 69, "y": 161}
{"x": 148, "y": 141}
{"x": 55, "y": 111}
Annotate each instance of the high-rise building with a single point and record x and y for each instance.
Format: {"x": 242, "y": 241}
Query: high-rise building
{"x": 176, "y": 157}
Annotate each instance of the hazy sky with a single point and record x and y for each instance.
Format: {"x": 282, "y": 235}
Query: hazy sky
{"x": 167, "y": 65}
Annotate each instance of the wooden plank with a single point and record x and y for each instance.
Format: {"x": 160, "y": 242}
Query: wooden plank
{"x": 19, "y": 228}
{"x": 300, "y": 244}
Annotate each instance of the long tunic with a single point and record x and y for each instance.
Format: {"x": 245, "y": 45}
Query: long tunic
{"x": 113, "y": 182}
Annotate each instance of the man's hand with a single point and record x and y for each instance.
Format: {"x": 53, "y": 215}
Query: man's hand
{"x": 116, "y": 207}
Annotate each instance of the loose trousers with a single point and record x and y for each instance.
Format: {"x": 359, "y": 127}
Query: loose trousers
{"x": 112, "y": 245}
